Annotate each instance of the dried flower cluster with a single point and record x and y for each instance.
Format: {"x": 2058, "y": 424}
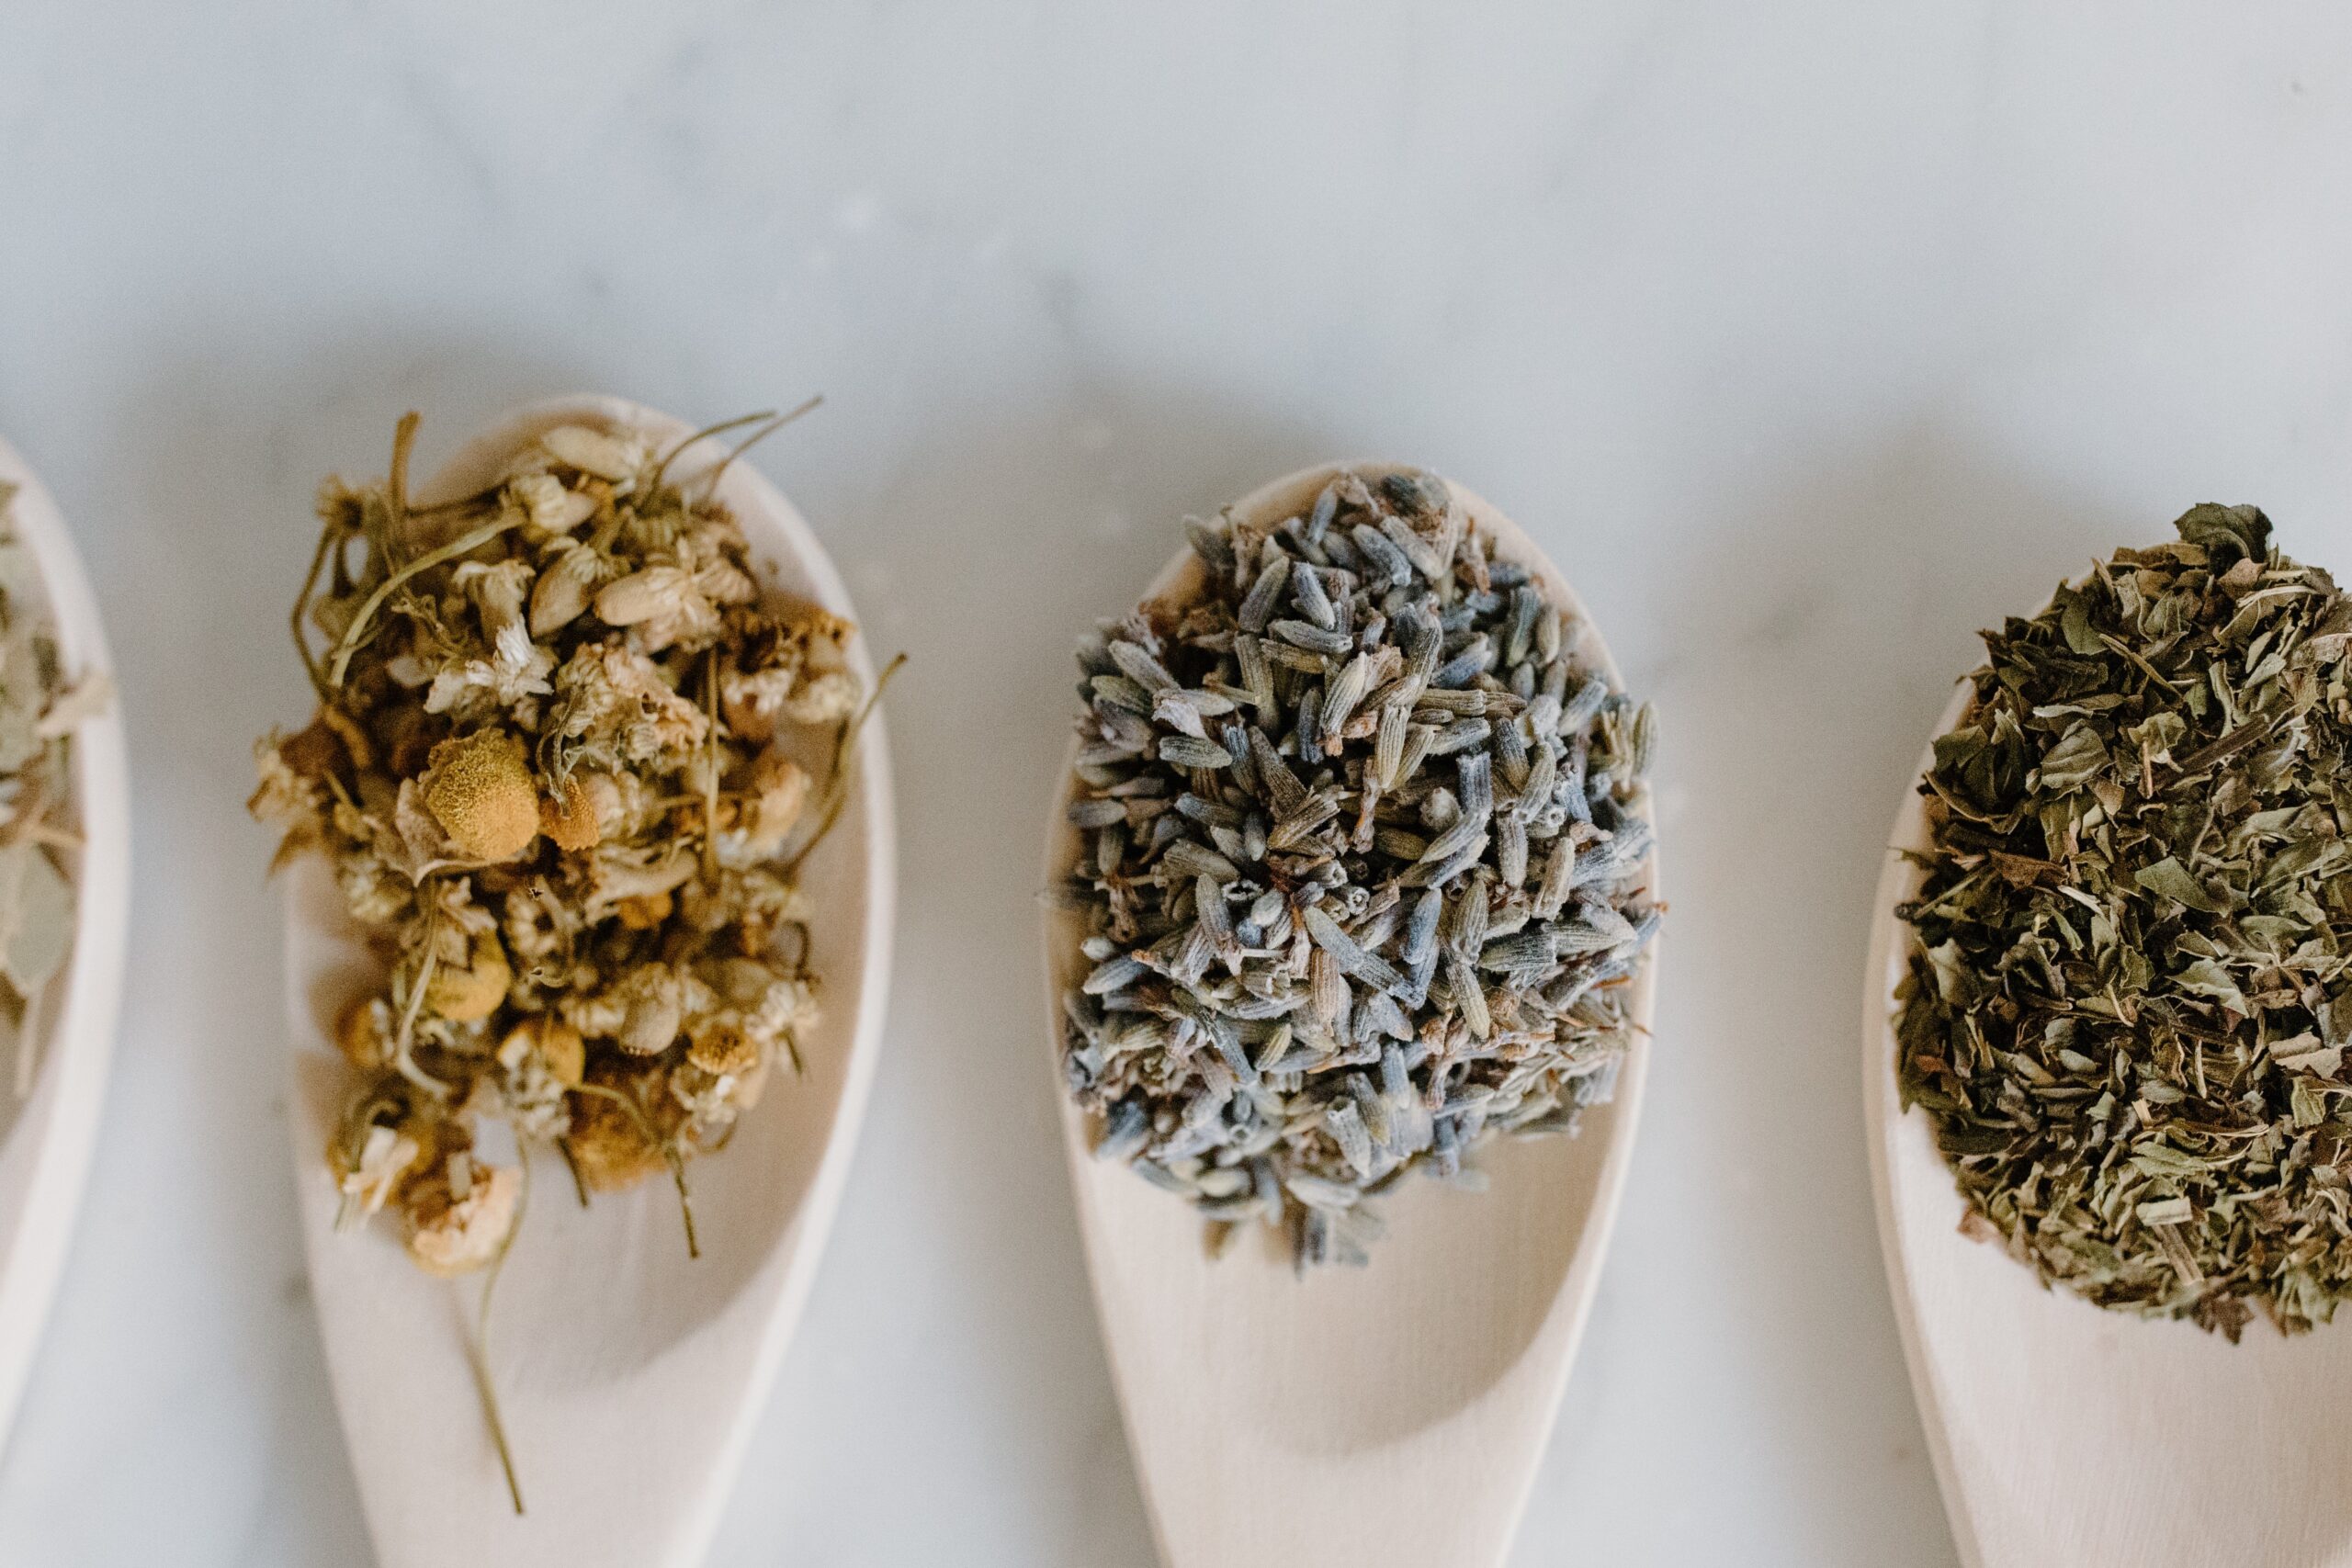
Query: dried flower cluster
{"x": 2129, "y": 1006}
{"x": 552, "y": 770}
{"x": 1361, "y": 866}
{"x": 38, "y": 712}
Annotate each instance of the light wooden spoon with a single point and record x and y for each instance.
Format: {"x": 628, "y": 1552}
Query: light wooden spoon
{"x": 2064, "y": 1435}
{"x": 629, "y": 1374}
{"x": 1353, "y": 1418}
{"x": 46, "y": 1142}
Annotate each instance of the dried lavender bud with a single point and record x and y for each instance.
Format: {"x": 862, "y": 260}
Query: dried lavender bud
{"x": 1327, "y": 896}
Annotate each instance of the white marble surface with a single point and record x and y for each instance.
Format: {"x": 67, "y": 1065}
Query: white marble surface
{"x": 1808, "y": 336}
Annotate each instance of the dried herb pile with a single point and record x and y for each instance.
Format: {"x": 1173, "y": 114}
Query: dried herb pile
{"x": 553, "y": 768}
{"x": 39, "y": 711}
{"x": 1361, "y": 866}
{"x": 2129, "y": 1008}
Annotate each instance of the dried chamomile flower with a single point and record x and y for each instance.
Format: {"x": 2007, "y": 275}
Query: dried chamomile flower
{"x": 481, "y": 791}
{"x": 380, "y": 1167}
{"x": 366, "y": 1031}
{"x": 1363, "y": 866}
{"x": 570, "y": 817}
{"x": 557, "y": 759}
{"x": 460, "y": 1215}
{"x": 566, "y": 755}
{"x": 469, "y": 987}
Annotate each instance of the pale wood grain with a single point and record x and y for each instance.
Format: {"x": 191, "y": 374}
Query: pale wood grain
{"x": 45, "y": 1158}
{"x": 629, "y": 1375}
{"x": 2065, "y": 1436}
{"x": 1391, "y": 1415}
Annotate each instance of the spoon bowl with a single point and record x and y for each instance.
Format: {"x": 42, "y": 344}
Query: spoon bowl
{"x": 2064, "y": 1435}
{"x": 627, "y": 1375}
{"x": 46, "y": 1140}
{"x": 1388, "y": 1415}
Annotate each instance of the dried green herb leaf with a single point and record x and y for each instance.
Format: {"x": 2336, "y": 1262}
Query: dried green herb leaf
{"x": 2169, "y": 877}
{"x": 2227, "y": 532}
{"x": 2073, "y": 762}
{"x": 2131, "y": 987}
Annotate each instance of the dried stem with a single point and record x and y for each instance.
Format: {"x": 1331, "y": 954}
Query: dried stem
{"x": 772, "y": 425}
{"x": 668, "y": 1146}
{"x": 710, "y": 784}
{"x": 837, "y": 784}
{"x": 685, "y": 1199}
{"x": 464, "y": 544}
{"x": 330, "y": 535}
{"x": 404, "y": 1042}
{"x": 572, "y": 1164}
{"x": 653, "y": 482}
{"x": 396, "y": 484}
{"x": 478, "y": 1347}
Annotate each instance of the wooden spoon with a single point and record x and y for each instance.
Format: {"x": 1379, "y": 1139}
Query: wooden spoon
{"x": 1353, "y": 1418}
{"x": 2064, "y": 1435}
{"x": 629, "y": 1375}
{"x": 46, "y": 1145}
